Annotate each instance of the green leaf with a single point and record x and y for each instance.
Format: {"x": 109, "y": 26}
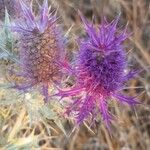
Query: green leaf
{"x": 47, "y": 112}
{"x": 7, "y": 41}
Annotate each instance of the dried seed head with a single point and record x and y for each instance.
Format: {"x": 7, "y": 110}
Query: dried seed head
{"x": 41, "y": 48}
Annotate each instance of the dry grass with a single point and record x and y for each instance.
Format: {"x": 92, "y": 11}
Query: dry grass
{"x": 130, "y": 132}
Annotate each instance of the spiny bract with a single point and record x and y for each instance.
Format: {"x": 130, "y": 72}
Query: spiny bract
{"x": 12, "y": 6}
{"x": 100, "y": 72}
{"x": 41, "y": 48}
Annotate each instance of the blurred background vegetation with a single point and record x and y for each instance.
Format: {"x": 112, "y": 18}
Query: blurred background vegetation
{"x": 27, "y": 124}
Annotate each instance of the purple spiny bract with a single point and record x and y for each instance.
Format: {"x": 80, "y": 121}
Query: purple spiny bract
{"x": 41, "y": 49}
{"x": 100, "y": 72}
{"x": 12, "y": 6}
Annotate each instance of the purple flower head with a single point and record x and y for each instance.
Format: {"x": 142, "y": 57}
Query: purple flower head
{"x": 100, "y": 72}
{"x": 41, "y": 49}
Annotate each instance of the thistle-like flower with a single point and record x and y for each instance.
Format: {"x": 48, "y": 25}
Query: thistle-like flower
{"x": 41, "y": 49}
{"x": 100, "y": 72}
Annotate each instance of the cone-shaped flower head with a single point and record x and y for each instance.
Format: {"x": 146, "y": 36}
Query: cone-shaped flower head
{"x": 41, "y": 48}
{"x": 100, "y": 71}
{"x": 12, "y": 6}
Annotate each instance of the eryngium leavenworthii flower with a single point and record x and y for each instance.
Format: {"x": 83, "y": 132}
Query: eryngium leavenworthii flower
{"x": 12, "y": 6}
{"x": 41, "y": 49}
{"x": 100, "y": 72}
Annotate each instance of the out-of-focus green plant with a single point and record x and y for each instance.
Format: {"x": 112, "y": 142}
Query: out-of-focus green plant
{"x": 29, "y": 110}
{"x": 7, "y": 41}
